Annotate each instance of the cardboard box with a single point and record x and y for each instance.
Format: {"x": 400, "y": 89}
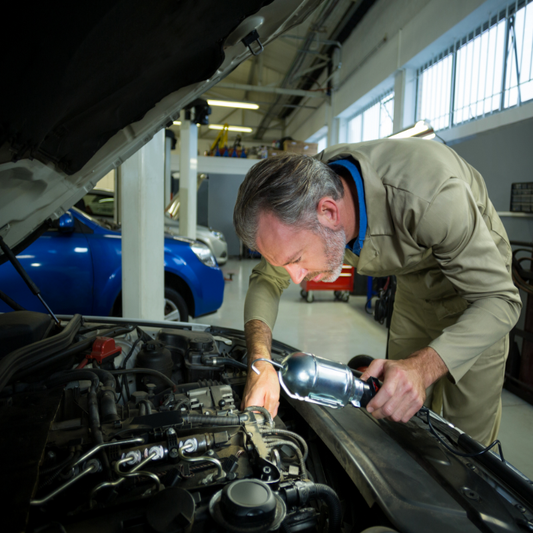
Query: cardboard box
{"x": 273, "y": 152}
{"x": 300, "y": 147}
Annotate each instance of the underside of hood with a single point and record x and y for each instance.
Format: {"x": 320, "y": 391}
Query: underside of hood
{"x": 110, "y": 62}
{"x": 86, "y": 85}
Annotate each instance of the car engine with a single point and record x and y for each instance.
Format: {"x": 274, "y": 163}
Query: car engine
{"x": 143, "y": 431}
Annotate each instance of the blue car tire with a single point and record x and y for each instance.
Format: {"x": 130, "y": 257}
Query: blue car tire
{"x": 175, "y": 306}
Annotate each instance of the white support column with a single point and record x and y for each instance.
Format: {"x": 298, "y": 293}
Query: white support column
{"x": 404, "y": 99}
{"x": 168, "y": 172}
{"x": 188, "y": 178}
{"x": 141, "y": 193}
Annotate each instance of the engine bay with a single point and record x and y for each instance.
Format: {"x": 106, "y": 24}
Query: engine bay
{"x": 121, "y": 426}
{"x": 142, "y": 430}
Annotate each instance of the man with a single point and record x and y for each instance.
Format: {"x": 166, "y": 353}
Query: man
{"x": 410, "y": 208}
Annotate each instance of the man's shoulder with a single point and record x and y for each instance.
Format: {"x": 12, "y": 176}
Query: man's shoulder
{"x": 408, "y": 166}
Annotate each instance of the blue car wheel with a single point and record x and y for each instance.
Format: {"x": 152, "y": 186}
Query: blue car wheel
{"x": 175, "y": 306}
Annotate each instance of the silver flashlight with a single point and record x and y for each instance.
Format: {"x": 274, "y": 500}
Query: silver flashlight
{"x": 306, "y": 377}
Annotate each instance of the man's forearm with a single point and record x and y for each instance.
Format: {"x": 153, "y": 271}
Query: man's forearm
{"x": 258, "y": 340}
{"x": 261, "y": 389}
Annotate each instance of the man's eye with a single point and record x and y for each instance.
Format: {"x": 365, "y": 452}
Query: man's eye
{"x": 297, "y": 260}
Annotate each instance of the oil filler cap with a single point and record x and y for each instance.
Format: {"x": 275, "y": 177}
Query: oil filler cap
{"x": 247, "y": 505}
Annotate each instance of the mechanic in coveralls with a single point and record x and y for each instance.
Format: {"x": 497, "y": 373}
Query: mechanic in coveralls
{"x": 410, "y": 208}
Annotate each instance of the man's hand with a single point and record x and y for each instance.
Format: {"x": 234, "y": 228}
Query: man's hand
{"x": 404, "y": 384}
{"x": 262, "y": 389}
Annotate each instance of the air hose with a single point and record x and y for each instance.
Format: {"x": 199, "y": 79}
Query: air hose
{"x": 232, "y": 420}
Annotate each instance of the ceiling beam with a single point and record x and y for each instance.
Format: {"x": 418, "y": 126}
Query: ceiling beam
{"x": 274, "y": 90}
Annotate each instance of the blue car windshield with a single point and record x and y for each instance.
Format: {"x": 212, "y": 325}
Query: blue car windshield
{"x": 102, "y": 222}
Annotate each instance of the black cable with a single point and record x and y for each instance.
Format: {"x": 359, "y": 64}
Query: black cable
{"x": 227, "y": 361}
{"x": 124, "y": 384}
{"x": 426, "y": 411}
{"x": 147, "y": 371}
{"x": 44, "y": 471}
{"x": 130, "y": 353}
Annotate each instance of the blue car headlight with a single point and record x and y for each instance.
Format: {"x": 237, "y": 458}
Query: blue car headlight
{"x": 203, "y": 253}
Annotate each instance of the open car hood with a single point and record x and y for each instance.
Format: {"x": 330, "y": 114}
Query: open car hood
{"x": 85, "y": 88}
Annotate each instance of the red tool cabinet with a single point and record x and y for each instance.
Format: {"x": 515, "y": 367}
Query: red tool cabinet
{"x": 341, "y": 287}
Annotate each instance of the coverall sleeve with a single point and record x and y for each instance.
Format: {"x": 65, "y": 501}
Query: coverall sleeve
{"x": 464, "y": 246}
{"x": 264, "y": 292}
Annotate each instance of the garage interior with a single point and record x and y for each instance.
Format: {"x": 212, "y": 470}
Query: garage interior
{"x": 318, "y": 84}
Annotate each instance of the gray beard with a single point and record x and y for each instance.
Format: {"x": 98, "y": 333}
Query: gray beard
{"x": 334, "y": 245}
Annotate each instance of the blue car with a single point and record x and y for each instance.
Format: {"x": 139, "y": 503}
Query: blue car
{"x": 78, "y": 268}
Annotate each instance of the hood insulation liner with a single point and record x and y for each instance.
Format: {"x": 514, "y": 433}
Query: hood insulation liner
{"x": 82, "y": 73}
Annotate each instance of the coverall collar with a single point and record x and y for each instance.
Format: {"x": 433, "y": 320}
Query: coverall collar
{"x": 357, "y": 243}
{"x": 378, "y": 213}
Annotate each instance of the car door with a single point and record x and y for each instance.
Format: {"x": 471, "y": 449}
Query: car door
{"x": 60, "y": 264}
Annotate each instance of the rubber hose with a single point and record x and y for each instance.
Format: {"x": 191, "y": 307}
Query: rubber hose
{"x": 65, "y": 354}
{"x": 228, "y": 361}
{"x": 74, "y": 375}
{"x": 39, "y": 351}
{"x": 328, "y": 495}
{"x": 107, "y": 379}
{"x": 108, "y": 401}
{"x": 234, "y": 420}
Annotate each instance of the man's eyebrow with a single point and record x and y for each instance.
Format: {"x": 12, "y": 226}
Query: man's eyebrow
{"x": 293, "y": 257}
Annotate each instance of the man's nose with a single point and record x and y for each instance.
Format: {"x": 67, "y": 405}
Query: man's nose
{"x": 296, "y": 273}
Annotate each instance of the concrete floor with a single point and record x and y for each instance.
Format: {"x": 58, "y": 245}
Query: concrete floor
{"x": 339, "y": 331}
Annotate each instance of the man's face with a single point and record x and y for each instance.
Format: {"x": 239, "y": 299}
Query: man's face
{"x": 304, "y": 254}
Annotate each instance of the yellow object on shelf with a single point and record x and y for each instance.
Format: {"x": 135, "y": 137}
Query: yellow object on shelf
{"x": 220, "y": 144}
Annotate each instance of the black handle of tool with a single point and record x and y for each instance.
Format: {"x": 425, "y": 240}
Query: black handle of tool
{"x": 371, "y": 386}
{"x": 18, "y": 267}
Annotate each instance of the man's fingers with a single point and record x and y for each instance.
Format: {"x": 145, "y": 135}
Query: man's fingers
{"x": 262, "y": 390}
{"x": 401, "y": 394}
{"x": 374, "y": 370}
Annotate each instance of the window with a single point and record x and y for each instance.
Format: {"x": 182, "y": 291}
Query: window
{"x": 434, "y": 88}
{"x": 479, "y": 72}
{"x": 486, "y": 71}
{"x": 322, "y": 143}
{"x": 520, "y": 53}
{"x": 374, "y": 122}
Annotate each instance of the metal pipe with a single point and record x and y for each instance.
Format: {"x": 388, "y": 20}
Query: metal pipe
{"x": 92, "y": 467}
{"x": 135, "y": 471}
{"x": 274, "y": 90}
{"x": 137, "y": 440}
{"x": 264, "y": 411}
{"x": 286, "y": 433}
{"x": 321, "y": 41}
{"x": 202, "y": 459}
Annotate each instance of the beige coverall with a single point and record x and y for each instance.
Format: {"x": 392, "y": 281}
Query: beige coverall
{"x": 430, "y": 223}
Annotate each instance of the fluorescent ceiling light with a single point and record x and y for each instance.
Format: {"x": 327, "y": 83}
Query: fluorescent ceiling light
{"x": 231, "y": 128}
{"x": 237, "y": 105}
{"x": 178, "y": 123}
{"x": 421, "y": 129}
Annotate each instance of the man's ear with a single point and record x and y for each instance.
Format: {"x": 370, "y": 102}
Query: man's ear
{"x": 328, "y": 213}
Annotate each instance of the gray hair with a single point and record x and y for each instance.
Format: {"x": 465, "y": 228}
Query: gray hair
{"x": 290, "y": 187}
